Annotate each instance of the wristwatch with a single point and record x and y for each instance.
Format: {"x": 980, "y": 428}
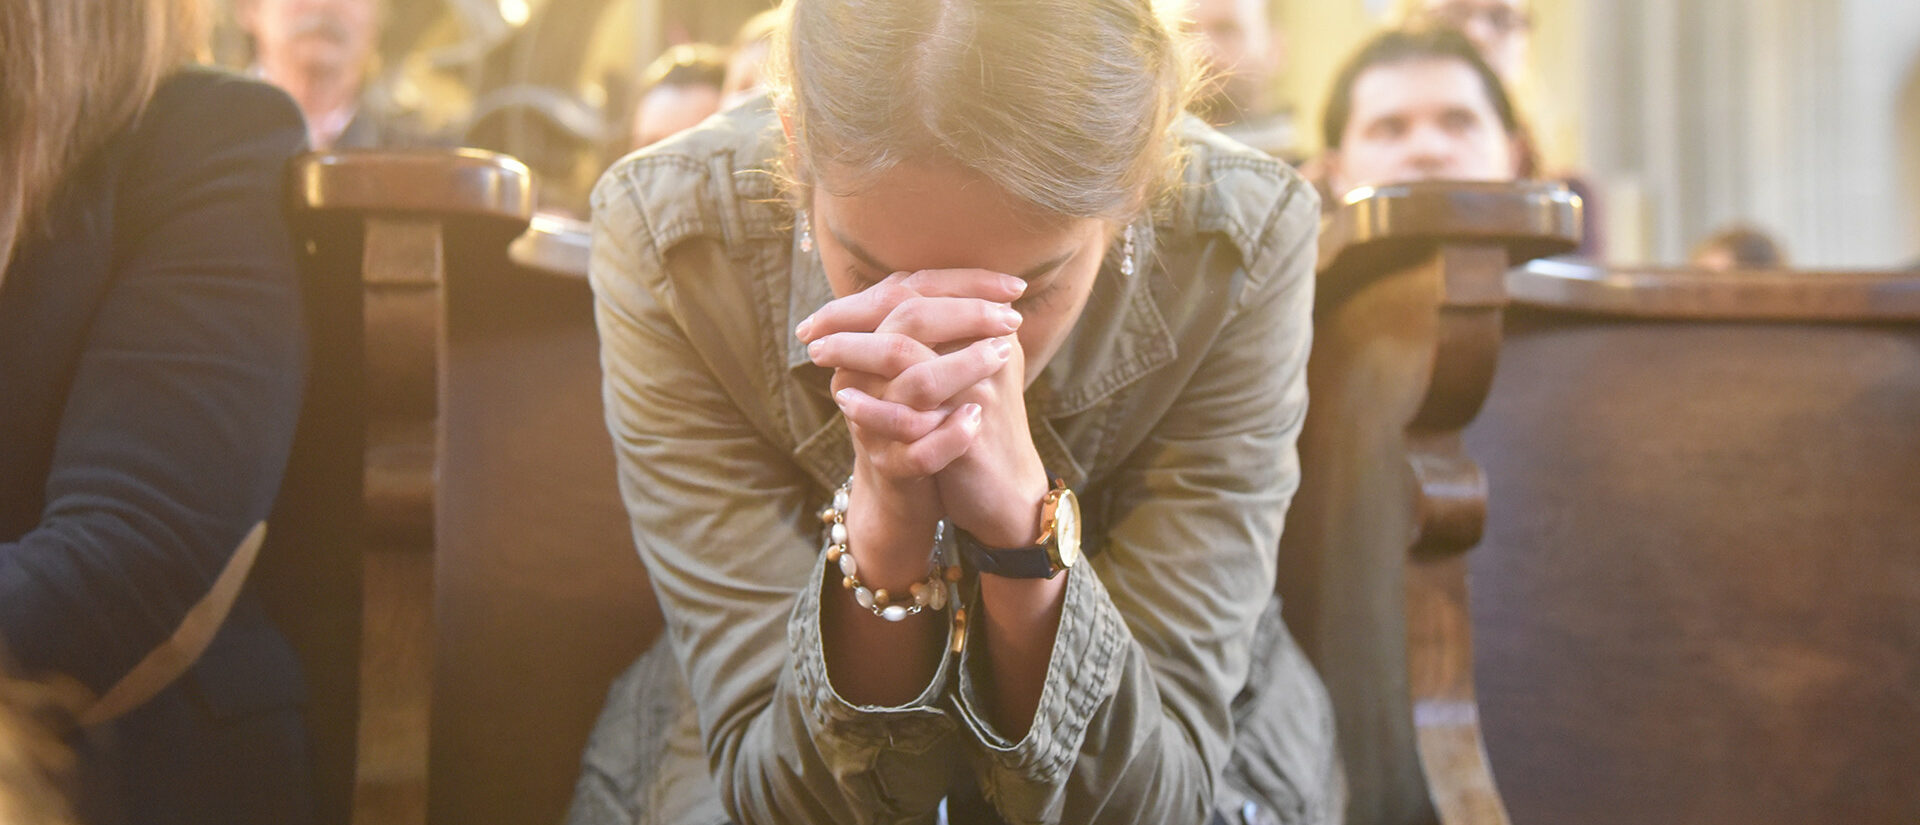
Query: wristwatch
{"x": 1058, "y": 548}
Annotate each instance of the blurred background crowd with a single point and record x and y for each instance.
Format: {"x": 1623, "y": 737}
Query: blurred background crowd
{"x": 1723, "y": 131}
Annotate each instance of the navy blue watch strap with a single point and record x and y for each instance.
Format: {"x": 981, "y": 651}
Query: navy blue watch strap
{"x": 1013, "y": 563}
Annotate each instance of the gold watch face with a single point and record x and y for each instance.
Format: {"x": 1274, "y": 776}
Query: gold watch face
{"x": 1066, "y": 530}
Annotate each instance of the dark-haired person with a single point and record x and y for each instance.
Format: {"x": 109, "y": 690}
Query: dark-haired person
{"x": 1418, "y": 104}
{"x": 150, "y": 379}
{"x": 679, "y": 89}
{"x": 1740, "y": 246}
{"x": 955, "y": 397}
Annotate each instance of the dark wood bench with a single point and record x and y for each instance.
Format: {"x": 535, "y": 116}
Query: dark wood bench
{"x": 1407, "y": 328}
{"x": 467, "y": 469}
{"x": 350, "y": 567}
{"x": 1698, "y": 595}
{"x": 452, "y": 560}
{"x": 543, "y": 599}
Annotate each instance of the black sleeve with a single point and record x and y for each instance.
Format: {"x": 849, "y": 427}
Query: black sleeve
{"x": 182, "y": 410}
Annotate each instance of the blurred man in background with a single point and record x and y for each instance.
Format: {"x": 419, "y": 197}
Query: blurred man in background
{"x": 1502, "y": 30}
{"x": 1243, "y": 52}
{"x": 747, "y": 63}
{"x": 679, "y": 89}
{"x": 320, "y": 52}
{"x": 1418, "y": 105}
{"x": 1740, "y": 246}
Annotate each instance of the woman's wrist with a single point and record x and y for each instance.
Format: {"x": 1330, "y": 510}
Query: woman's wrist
{"x": 1004, "y": 511}
{"x": 890, "y": 529}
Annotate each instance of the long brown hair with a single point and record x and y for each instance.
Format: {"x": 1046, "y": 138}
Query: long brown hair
{"x": 1065, "y": 104}
{"x": 72, "y": 72}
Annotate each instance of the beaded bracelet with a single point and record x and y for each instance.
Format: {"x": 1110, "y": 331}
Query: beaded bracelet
{"x": 932, "y": 594}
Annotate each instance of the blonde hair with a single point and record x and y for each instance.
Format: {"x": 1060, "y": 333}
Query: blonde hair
{"x": 72, "y": 72}
{"x": 1065, "y": 104}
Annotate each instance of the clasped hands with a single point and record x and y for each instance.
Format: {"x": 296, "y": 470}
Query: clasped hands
{"x": 931, "y": 377}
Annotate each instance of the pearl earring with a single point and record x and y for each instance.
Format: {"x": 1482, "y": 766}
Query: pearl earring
{"x": 806, "y": 232}
{"x": 1126, "y": 252}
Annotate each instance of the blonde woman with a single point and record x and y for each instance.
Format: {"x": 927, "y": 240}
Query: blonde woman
{"x": 955, "y": 397}
{"x": 150, "y": 376}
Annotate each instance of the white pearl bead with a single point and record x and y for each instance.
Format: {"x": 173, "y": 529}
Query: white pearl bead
{"x": 838, "y": 533}
{"x": 893, "y": 613}
{"x": 840, "y": 501}
{"x": 864, "y": 597}
{"x": 847, "y": 565}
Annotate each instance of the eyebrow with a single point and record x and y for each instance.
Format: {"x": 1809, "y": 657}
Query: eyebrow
{"x": 867, "y": 258}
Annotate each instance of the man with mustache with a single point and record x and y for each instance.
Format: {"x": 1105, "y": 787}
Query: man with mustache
{"x": 320, "y": 51}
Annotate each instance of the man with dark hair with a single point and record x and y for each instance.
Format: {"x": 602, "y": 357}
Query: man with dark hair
{"x": 679, "y": 89}
{"x": 1418, "y": 105}
{"x": 1739, "y": 246}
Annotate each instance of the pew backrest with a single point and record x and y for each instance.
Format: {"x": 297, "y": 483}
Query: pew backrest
{"x": 1698, "y": 596}
{"x": 348, "y": 572}
{"x": 1407, "y": 329}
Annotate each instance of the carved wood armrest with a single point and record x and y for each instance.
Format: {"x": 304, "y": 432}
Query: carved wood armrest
{"x": 1408, "y": 324}
{"x": 387, "y": 221}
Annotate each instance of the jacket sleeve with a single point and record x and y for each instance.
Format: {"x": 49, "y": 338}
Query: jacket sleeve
{"x": 182, "y": 409}
{"x": 727, "y": 526}
{"x": 1134, "y": 723}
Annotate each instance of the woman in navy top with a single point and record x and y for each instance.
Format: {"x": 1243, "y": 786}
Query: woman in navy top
{"x": 150, "y": 378}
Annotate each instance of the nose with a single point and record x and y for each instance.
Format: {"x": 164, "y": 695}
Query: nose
{"x": 1430, "y": 152}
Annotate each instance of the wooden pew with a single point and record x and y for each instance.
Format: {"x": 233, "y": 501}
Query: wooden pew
{"x": 542, "y": 597}
{"x": 1407, "y": 327}
{"x": 508, "y": 523}
{"x": 1698, "y": 595}
{"x": 349, "y": 571}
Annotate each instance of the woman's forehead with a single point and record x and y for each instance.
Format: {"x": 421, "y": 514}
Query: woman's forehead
{"x": 920, "y": 216}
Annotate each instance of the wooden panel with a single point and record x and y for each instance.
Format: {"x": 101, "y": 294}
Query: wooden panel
{"x": 1752, "y": 295}
{"x": 350, "y": 574}
{"x": 1408, "y": 322}
{"x": 542, "y": 598}
{"x": 404, "y": 280}
{"x": 1698, "y": 597}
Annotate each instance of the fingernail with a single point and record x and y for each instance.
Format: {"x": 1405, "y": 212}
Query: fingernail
{"x": 813, "y": 349}
{"x": 801, "y": 331}
{"x": 1001, "y": 348}
{"x": 845, "y": 396}
{"x": 1013, "y": 284}
{"x": 971, "y": 413}
{"x": 1010, "y": 317}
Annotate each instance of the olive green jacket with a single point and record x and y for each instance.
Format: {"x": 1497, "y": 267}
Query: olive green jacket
{"x": 1172, "y": 408}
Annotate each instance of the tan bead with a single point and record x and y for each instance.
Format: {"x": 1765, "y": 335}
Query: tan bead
{"x": 953, "y": 574}
{"x": 848, "y": 582}
{"x": 960, "y": 615}
{"x": 882, "y": 598}
{"x": 917, "y": 588}
{"x": 829, "y": 516}
{"x": 833, "y": 553}
{"x": 937, "y": 597}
